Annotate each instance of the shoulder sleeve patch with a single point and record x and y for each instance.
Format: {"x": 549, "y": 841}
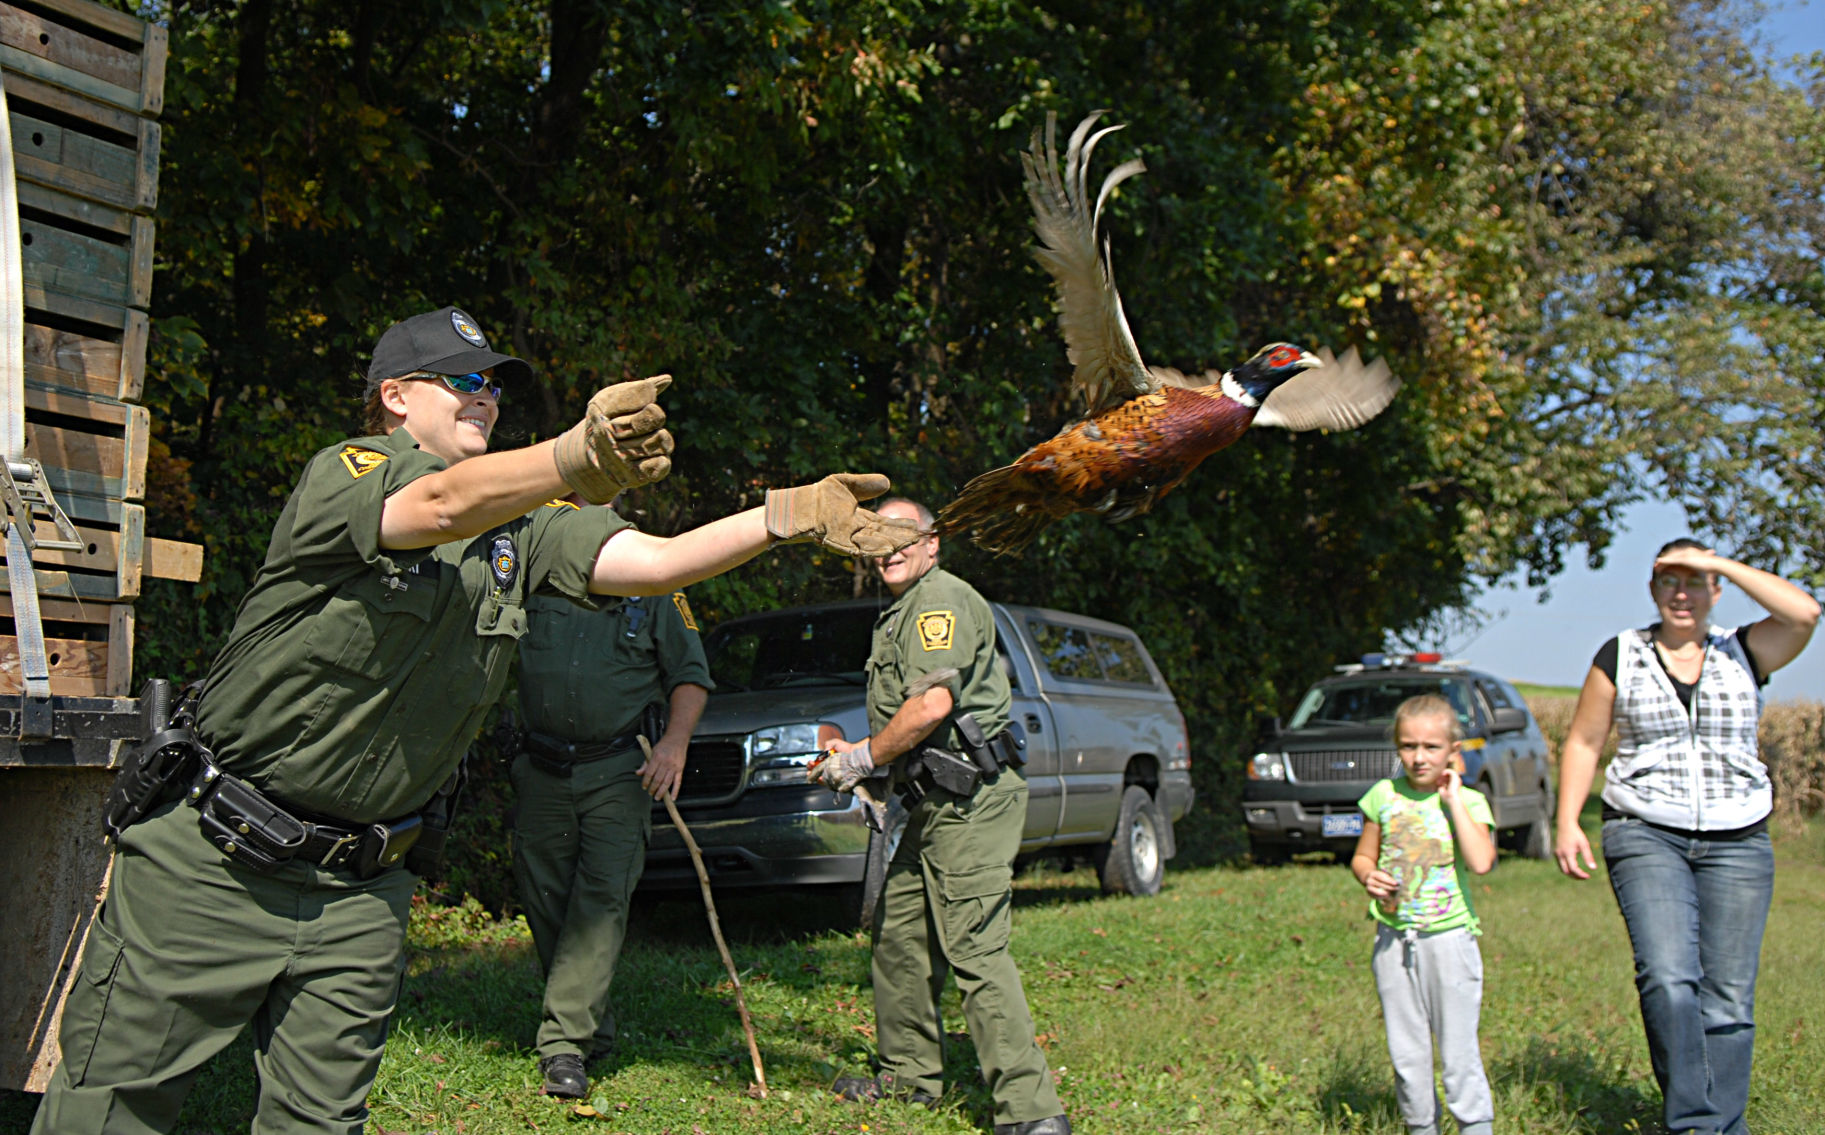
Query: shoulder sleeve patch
{"x": 360, "y": 461}
{"x": 936, "y": 629}
{"x": 560, "y": 502}
{"x": 684, "y": 610}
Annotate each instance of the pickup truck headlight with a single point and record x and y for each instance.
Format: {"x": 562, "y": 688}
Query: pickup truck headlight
{"x": 1267, "y": 766}
{"x": 778, "y": 757}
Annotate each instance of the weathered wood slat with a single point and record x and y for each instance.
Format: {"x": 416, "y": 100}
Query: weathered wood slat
{"x": 112, "y": 638}
{"x": 78, "y": 210}
{"x": 87, "y": 13}
{"x": 111, "y": 458}
{"x": 84, "y": 266}
{"x": 23, "y": 92}
{"x": 120, "y": 552}
{"x": 78, "y": 668}
{"x": 105, "y": 411}
{"x": 85, "y": 48}
{"x": 74, "y": 586}
{"x": 81, "y": 505}
{"x": 61, "y": 157}
{"x": 173, "y": 559}
{"x": 89, "y": 365}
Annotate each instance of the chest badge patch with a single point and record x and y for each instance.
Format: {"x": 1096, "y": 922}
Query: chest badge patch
{"x": 936, "y": 629}
{"x": 560, "y": 502}
{"x": 359, "y": 461}
{"x": 684, "y": 610}
{"x": 504, "y": 561}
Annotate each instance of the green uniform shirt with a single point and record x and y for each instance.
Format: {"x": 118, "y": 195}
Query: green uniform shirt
{"x": 356, "y": 676}
{"x": 939, "y": 621}
{"x": 587, "y": 675}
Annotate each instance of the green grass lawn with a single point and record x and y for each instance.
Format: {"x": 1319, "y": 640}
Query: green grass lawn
{"x": 1239, "y": 1000}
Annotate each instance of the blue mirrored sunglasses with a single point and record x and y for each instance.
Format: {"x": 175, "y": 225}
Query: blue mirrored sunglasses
{"x": 465, "y": 383}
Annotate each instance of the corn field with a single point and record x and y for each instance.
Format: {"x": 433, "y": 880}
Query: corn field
{"x": 1792, "y": 741}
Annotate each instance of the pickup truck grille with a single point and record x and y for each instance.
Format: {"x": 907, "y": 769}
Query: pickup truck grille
{"x": 1343, "y": 764}
{"x": 712, "y": 772}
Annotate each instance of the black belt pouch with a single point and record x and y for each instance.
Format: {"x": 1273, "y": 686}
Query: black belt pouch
{"x": 247, "y": 827}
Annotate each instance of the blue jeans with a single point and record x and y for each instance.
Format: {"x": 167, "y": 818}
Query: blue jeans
{"x": 1695, "y": 910}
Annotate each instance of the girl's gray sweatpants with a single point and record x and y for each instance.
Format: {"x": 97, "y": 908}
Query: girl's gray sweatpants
{"x": 1431, "y": 985}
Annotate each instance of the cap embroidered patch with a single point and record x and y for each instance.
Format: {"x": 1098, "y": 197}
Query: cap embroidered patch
{"x": 360, "y": 462}
{"x": 467, "y": 329}
{"x": 684, "y": 610}
{"x": 935, "y": 628}
{"x": 504, "y": 559}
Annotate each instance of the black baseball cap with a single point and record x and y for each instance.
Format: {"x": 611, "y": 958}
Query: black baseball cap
{"x": 445, "y": 341}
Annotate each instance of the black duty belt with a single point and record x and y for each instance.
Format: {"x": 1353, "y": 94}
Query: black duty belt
{"x": 257, "y": 831}
{"x": 555, "y": 755}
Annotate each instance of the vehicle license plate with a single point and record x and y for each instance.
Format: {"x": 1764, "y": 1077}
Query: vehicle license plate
{"x": 1344, "y": 823}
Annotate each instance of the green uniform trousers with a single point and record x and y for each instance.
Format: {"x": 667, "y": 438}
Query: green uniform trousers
{"x": 189, "y": 948}
{"x": 579, "y": 845}
{"x": 947, "y": 906}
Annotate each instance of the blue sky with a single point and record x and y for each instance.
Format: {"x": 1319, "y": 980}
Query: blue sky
{"x": 1551, "y": 643}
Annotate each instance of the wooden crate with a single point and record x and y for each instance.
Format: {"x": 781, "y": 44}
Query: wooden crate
{"x": 87, "y": 359}
{"x": 84, "y": 250}
{"x": 80, "y": 146}
{"x": 89, "y": 647}
{"x": 81, "y": 46}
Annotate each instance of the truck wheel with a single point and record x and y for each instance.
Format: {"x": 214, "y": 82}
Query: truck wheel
{"x": 1537, "y": 837}
{"x": 1131, "y": 863}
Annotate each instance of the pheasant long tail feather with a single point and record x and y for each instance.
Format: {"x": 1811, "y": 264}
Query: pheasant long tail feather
{"x": 1107, "y": 363}
{"x": 1002, "y": 510}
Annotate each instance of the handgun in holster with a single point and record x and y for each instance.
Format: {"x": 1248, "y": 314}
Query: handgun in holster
{"x": 991, "y": 755}
{"x": 929, "y": 765}
{"x": 425, "y": 858}
{"x": 652, "y": 722}
{"x": 161, "y": 764}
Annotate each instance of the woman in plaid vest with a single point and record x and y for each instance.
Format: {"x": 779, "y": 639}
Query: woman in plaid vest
{"x": 1685, "y": 817}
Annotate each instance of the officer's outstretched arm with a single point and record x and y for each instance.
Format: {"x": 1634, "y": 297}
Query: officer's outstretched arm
{"x": 470, "y": 497}
{"x": 828, "y": 512}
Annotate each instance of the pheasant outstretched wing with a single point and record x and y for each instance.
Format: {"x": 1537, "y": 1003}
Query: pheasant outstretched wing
{"x": 1108, "y": 368}
{"x": 1340, "y": 395}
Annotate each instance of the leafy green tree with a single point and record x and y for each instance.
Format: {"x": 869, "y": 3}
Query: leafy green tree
{"x": 1585, "y": 234}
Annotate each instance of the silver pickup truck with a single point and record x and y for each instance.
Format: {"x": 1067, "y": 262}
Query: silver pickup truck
{"x": 1108, "y": 763}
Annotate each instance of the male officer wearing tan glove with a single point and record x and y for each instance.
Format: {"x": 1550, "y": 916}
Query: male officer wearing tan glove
{"x": 946, "y": 906}
{"x": 269, "y": 884}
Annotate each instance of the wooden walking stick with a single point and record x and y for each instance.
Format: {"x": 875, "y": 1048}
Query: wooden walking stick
{"x": 709, "y": 906}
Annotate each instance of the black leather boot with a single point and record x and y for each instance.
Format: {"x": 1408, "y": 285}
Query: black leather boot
{"x": 564, "y": 1076}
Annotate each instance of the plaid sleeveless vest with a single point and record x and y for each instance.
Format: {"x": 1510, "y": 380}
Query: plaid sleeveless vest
{"x": 1695, "y": 769}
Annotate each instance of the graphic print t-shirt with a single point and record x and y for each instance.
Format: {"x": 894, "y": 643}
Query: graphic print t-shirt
{"x": 1418, "y": 849}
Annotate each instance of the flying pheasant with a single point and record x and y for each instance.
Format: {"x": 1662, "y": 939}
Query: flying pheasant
{"x": 1145, "y": 428}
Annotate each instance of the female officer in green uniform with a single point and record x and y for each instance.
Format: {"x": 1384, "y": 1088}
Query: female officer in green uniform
{"x": 359, "y": 667}
{"x": 947, "y": 904}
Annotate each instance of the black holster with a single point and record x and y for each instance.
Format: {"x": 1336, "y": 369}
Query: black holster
{"x": 990, "y": 755}
{"x": 258, "y": 832}
{"x": 930, "y": 767}
{"x": 161, "y": 765}
{"x": 426, "y": 857}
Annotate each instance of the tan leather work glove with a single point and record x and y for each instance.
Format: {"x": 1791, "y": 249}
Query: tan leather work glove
{"x": 830, "y": 513}
{"x": 619, "y": 444}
